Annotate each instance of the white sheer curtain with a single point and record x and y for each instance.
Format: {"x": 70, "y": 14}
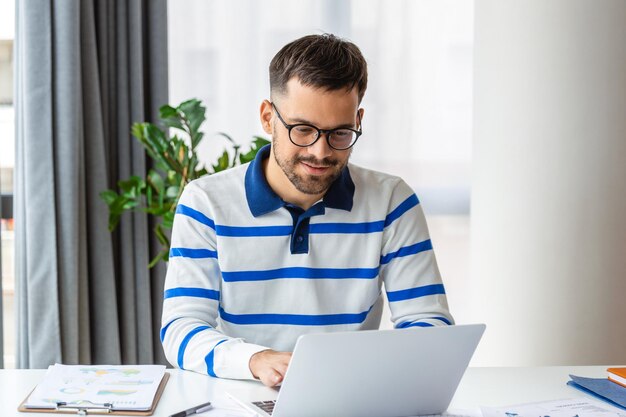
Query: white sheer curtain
{"x": 418, "y": 106}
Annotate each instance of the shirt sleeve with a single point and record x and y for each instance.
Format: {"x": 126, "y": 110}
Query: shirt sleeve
{"x": 408, "y": 266}
{"x": 192, "y": 295}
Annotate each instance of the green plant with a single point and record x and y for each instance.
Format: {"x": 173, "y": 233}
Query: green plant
{"x": 176, "y": 164}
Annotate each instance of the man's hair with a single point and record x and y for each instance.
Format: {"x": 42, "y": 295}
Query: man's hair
{"x": 322, "y": 61}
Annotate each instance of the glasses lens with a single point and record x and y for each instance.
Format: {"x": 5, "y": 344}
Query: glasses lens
{"x": 342, "y": 138}
{"x": 303, "y": 134}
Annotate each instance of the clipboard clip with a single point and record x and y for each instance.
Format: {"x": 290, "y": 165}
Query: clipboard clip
{"x": 82, "y": 409}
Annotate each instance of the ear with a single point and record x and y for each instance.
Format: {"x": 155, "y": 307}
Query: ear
{"x": 266, "y": 114}
{"x": 361, "y": 113}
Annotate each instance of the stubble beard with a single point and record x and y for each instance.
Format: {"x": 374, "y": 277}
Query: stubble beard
{"x": 308, "y": 184}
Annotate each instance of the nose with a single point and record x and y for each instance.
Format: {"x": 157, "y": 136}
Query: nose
{"x": 320, "y": 149}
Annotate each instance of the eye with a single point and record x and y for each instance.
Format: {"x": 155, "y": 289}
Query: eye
{"x": 342, "y": 133}
{"x": 303, "y": 129}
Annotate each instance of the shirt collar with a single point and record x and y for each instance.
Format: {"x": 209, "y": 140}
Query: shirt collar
{"x": 262, "y": 199}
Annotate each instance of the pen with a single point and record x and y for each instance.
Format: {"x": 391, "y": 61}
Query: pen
{"x": 194, "y": 410}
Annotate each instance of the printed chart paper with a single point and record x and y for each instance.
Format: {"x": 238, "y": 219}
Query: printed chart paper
{"x": 126, "y": 387}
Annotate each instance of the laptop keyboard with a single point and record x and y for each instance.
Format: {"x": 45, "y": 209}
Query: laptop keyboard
{"x": 267, "y": 406}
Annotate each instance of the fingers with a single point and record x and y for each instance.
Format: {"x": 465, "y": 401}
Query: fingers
{"x": 281, "y": 369}
{"x": 274, "y": 374}
{"x": 271, "y": 378}
{"x": 270, "y": 366}
{"x": 283, "y": 363}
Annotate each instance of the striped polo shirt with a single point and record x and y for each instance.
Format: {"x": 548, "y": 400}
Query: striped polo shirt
{"x": 248, "y": 271}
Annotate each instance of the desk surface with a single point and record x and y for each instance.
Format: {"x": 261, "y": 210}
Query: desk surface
{"x": 479, "y": 387}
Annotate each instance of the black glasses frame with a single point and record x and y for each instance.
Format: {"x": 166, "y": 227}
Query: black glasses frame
{"x": 327, "y": 132}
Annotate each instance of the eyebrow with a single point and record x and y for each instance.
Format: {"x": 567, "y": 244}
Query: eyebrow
{"x": 298, "y": 120}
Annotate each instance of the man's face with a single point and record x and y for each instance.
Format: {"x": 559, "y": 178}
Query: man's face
{"x": 312, "y": 170}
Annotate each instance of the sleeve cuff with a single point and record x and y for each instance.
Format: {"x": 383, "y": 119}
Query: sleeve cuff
{"x": 236, "y": 363}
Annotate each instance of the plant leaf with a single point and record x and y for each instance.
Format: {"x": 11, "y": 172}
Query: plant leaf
{"x": 172, "y": 191}
{"x": 176, "y": 162}
{"x": 163, "y": 240}
{"x": 222, "y": 162}
{"x": 162, "y": 255}
{"x": 256, "y": 145}
{"x": 108, "y": 196}
{"x": 194, "y": 114}
{"x": 155, "y": 180}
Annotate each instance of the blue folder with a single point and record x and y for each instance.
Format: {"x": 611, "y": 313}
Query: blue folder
{"x": 601, "y": 388}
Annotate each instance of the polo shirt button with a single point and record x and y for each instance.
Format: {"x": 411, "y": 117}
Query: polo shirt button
{"x": 299, "y": 239}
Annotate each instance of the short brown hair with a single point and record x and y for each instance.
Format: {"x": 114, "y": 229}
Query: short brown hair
{"x": 323, "y": 61}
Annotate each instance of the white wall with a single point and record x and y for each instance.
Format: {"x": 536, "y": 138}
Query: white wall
{"x": 549, "y": 174}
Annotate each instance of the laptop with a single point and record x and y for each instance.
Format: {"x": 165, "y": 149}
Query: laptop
{"x": 373, "y": 373}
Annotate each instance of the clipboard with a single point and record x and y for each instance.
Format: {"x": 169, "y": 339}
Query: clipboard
{"x": 98, "y": 409}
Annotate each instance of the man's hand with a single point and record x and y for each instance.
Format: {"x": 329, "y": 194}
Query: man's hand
{"x": 270, "y": 366}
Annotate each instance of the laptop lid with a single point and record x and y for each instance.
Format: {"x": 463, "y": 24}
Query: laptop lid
{"x": 378, "y": 373}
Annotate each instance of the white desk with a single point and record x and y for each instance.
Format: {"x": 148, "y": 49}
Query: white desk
{"x": 479, "y": 387}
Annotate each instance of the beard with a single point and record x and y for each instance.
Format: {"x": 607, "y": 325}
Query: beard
{"x": 305, "y": 183}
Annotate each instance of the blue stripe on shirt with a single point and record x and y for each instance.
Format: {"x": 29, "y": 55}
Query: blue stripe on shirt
{"x": 316, "y": 228}
{"x": 185, "y": 342}
{"x": 295, "y": 319}
{"x": 253, "y": 231}
{"x": 320, "y": 228}
{"x": 209, "y": 359}
{"x": 405, "y": 206}
{"x": 366, "y": 227}
{"x": 164, "y": 329}
{"x": 191, "y": 292}
{"x": 445, "y": 320}
{"x": 300, "y": 272}
{"x": 414, "y": 324}
{"x": 417, "y": 292}
{"x": 192, "y": 253}
{"x": 406, "y": 251}
{"x": 423, "y": 324}
{"x": 195, "y": 214}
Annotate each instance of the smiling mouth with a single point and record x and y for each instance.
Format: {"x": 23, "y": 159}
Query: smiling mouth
{"x": 316, "y": 166}
{"x": 312, "y": 169}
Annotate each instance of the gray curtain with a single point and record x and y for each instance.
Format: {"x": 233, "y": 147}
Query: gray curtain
{"x": 86, "y": 69}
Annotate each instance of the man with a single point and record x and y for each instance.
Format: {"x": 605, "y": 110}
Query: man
{"x": 299, "y": 240}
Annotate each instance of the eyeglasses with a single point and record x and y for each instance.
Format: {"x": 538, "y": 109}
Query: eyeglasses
{"x": 303, "y": 134}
